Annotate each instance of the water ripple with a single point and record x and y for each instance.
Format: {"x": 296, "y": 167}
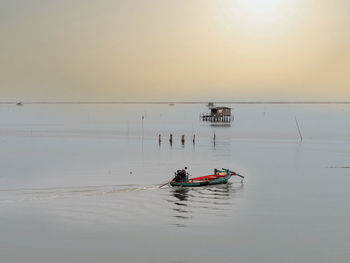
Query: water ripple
{"x": 126, "y": 204}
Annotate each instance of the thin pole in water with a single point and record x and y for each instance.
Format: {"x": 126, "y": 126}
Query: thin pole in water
{"x": 296, "y": 121}
{"x": 214, "y": 139}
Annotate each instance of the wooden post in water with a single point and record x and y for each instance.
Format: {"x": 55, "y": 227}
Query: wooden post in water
{"x": 171, "y": 139}
{"x": 296, "y": 121}
{"x": 143, "y": 117}
{"x": 159, "y": 139}
{"x": 214, "y": 140}
{"x": 183, "y": 139}
{"x": 194, "y": 139}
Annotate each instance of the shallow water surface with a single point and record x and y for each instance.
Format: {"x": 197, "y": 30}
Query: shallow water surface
{"x": 80, "y": 183}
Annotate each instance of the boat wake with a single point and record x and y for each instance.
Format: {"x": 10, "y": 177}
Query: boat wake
{"x": 109, "y": 205}
{"x": 42, "y": 194}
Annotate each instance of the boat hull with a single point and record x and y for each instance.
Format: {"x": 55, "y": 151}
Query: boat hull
{"x": 203, "y": 181}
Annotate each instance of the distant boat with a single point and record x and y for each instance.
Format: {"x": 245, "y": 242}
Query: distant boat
{"x": 19, "y": 104}
{"x": 171, "y": 104}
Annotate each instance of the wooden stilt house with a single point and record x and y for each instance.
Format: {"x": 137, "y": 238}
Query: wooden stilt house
{"x": 218, "y": 114}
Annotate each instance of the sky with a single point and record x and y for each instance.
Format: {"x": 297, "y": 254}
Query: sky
{"x": 174, "y": 50}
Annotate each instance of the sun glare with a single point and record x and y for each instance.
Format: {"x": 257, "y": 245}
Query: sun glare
{"x": 260, "y": 16}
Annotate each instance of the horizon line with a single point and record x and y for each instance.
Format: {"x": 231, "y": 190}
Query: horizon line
{"x": 172, "y": 102}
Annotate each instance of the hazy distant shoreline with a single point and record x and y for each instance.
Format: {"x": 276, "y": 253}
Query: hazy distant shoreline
{"x": 174, "y": 102}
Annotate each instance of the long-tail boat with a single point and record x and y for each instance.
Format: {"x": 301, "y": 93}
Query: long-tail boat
{"x": 219, "y": 177}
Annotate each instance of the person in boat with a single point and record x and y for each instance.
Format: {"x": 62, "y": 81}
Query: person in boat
{"x": 178, "y": 176}
{"x": 187, "y": 175}
{"x": 181, "y": 175}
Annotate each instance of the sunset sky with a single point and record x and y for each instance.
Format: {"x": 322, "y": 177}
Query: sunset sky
{"x": 174, "y": 49}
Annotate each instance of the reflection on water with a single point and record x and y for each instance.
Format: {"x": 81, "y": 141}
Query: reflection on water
{"x": 181, "y": 194}
{"x": 220, "y": 125}
{"x": 189, "y": 203}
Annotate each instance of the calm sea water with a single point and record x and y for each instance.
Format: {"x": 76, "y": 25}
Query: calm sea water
{"x": 80, "y": 183}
